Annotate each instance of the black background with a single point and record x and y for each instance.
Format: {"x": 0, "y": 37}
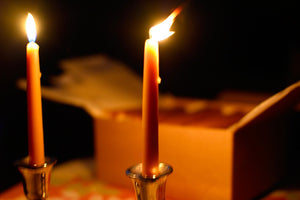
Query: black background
{"x": 217, "y": 45}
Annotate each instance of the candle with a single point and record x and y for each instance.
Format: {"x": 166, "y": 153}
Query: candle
{"x": 150, "y": 94}
{"x": 34, "y": 101}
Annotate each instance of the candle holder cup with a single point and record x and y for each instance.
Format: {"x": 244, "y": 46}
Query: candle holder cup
{"x": 36, "y": 179}
{"x": 149, "y": 188}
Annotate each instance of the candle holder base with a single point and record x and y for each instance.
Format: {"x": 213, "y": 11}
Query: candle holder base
{"x": 149, "y": 188}
{"x": 36, "y": 179}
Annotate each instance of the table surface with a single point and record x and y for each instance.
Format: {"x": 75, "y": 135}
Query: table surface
{"x": 75, "y": 180}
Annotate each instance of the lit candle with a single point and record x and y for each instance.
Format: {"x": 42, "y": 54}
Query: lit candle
{"x": 150, "y": 94}
{"x": 34, "y": 101}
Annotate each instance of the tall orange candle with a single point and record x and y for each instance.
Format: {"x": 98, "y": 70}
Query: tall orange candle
{"x": 34, "y": 101}
{"x": 150, "y": 94}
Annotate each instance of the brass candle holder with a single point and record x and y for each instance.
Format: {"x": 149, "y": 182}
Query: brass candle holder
{"x": 36, "y": 179}
{"x": 149, "y": 188}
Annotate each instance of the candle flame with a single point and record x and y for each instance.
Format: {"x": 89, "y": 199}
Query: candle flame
{"x": 162, "y": 31}
{"x": 30, "y": 28}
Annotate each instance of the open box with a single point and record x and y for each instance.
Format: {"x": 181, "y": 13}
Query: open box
{"x": 219, "y": 150}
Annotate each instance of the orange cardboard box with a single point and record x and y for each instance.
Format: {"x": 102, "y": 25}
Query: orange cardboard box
{"x": 219, "y": 151}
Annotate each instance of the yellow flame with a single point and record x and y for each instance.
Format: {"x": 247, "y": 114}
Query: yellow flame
{"x": 30, "y": 28}
{"x": 162, "y": 31}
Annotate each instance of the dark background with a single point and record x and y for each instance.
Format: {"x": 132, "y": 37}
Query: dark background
{"x": 244, "y": 45}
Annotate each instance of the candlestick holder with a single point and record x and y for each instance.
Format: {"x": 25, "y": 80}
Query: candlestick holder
{"x": 36, "y": 179}
{"x": 149, "y": 188}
